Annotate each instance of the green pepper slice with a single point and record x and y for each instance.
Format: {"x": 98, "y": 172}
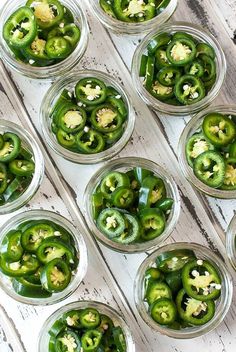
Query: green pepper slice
{"x": 165, "y": 204}
{"x": 48, "y": 13}
{"x": 205, "y": 49}
{"x": 57, "y": 48}
{"x": 97, "y": 204}
{"x": 111, "y": 222}
{"x": 174, "y": 260}
{"x": 140, "y": 174}
{"x": 66, "y": 140}
{"x": 181, "y": 51}
{"x": 157, "y": 290}
{"x": 90, "y": 141}
{"x": 36, "y": 51}
{"x": 209, "y": 68}
{"x": 163, "y": 311}
{"x": 22, "y": 167}
{"x": 219, "y": 129}
{"x": 195, "y": 68}
{"x": 143, "y": 65}
{"x": 122, "y": 197}
{"x": 52, "y": 248}
{"x": 11, "y": 248}
{"x": 196, "y": 145}
{"x": 91, "y": 340}
{"x": 209, "y": 167}
{"x": 72, "y": 319}
{"x": 72, "y": 118}
{"x": 107, "y": 7}
{"x": 20, "y": 28}
{"x": 90, "y": 318}
{"x": 55, "y": 275}
{"x": 201, "y": 280}
{"x": 151, "y": 191}
{"x": 34, "y": 234}
{"x": 27, "y": 265}
{"x": 153, "y": 223}
{"x": 16, "y": 188}
{"x": 134, "y": 11}
{"x": 3, "y": 178}
{"x": 194, "y": 311}
{"x": 158, "y": 41}
{"x": 119, "y": 339}
{"x": 70, "y": 32}
{"x": 118, "y": 104}
{"x": 67, "y": 341}
{"x": 57, "y": 328}
{"x": 27, "y": 289}
{"x": 161, "y": 59}
{"x": 152, "y": 275}
{"x": 174, "y": 281}
{"x": 131, "y": 232}
{"x": 113, "y": 137}
{"x": 160, "y": 91}
{"x": 149, "y": 75}
{"x": 230, "y": 172}
{"x": 106, "y": 118}
{"x": 90, "y": 91}
{"x": 181, "y": 35}
{"x": 112, "y": 181}
{"x": 11, "y": 147}
{"x": 168, "y": 76}
{"x": 189, "y": 89}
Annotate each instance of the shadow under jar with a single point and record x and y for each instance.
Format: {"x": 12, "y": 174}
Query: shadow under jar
{"x": 47, "y": 238}
{"x": 20, "y": 189}
{"x": 147, "y": 224}
{"x": 231, "y": 242}
{"x": 109, "y": 109}
{"x": 107, "y": 323}
{"x": 221, "y": 164}
{"x": 52, "y": 71}
{"x": 159, "y": 42}
{"x": 176, "y": 265}
{"x": 164, "y": 11}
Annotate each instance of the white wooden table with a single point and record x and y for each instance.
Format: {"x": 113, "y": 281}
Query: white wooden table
{"x": 202, "y": 219}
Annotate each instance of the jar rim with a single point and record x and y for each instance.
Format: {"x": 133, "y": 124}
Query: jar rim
{"x": 47, "y": 103}
{"x": 187, "y": 171}
{"x": 195, "y": 31}
{"x": 58, "y": 69}
{"x": 221, "y": 310}
{"x": 80, "y": 247}
{"x": 128, "y": 162}
{"x": 38, "y": 175}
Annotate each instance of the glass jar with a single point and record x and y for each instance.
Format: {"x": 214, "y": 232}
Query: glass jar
{"x": 138, "y": 28}
{"x": 125, "y": 164}
{"x": 47, "y": 72}
{"x": 32, "y": 215}
{"x": 201, "y": 35}
{"x": 222, "y": 304}
{"x": 30, "y": 145}
{"x": 102, "y": 308}
{"x": 231, "y": 242}
{"x": 69, "y": 81}
{"x": 191, "y": 128}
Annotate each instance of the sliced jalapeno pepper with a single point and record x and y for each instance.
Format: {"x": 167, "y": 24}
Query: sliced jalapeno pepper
{"x": 196, "y": 145}
{"x": 151, "y": 191}
{"x": 143, "y": 65}
{"x": 16, "y": 188}
{"x": 20, "y": 28}
{"x": 56, "y": 275}
{"x": 150, "y": 68}
{"x": 57, "y": 328}
{"x": 209, "y": 167}
{"x": 209, "y": 67}
{"x": 67, "y": 341}
{"x": 119, "y": 104}
{"x": 107, "y": 7}
{"x": 90, "y": 91}
{"x": 131, "y": 232}
{"x": 72, "y": 118}
{"x": 181, "y": 51}
{"x": 90, "y": 141}
{"x": 230, "y": 172}
{"x": 112, "y": 181}
{"x": 119, "y": 339}
{"x": 70, "y": 32}
{"x": 72, "y": 318}
{"x": 152, "y": 275}
{"x": 165, "y": 204}
{"x": 122, "y": 197}
{"x": 36, "y": 51}
{"x": 157, "y": 290}
{"x": 134, "y": 10}
{"x": 159, "y": 41}
{"x": 161, "y": 59}
{"x": 140, "y": 174}
{"x": 112, "y": 137}
{"x": 3, "y": 178}
{"x": 11, "y": 249}
{"x": 161, "y": 92}
{"x": 106, "y": 324}
{"x": 181, "y": 35}
{"x": 206, "y": 49}
{"x": 27, "y": 265}
{"x": 174, "y": 281}
{"x": 90, "y": 318}
{"x": 153, "y": 223}
{"x": 201, "y": 280}
{"x": 219, "y": 129}
{"x": 232, "y": 150}
{"x": 47, "y": 12}
{"x": 33, "y": 236}
{"x": 22, "y": 167}
{"x": 163, "y": 311}
{"x": 195, "y": 312}
{"x": 195, "y": 68}
{"x": 189, "y": 89}
{"x": 91, "y": 340}
{"x": 168, "y": 76}
{"x": 57, "y": 48}
{"x": 51, "y": 248}
{"x": 66, "y": 140}
{"x": 11, "y": 147}
{"x": 27, "y": 289}
{"x": 111, "y": 222}
{"x": 106, "y": 118}
{"x": 174, "y": 260}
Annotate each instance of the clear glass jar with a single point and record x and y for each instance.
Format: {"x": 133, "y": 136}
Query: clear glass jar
{"x": 231, "y": 242}
{"x": 191, "y": 128}
{"x": 13, "y": 223}
{"x": 28, "y": 143}
{"x": 69, "y": 81}
{"x": 201, "y": 35}
{"x": 222, "y": 304}
{"x": 47, "y": 72}
{"x": 102, "y": 308}
{"x": 124, "y": 165}
{"x": 121, "y": 27}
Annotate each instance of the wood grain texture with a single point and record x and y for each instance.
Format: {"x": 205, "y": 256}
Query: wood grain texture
{"x": 202, "y": 220}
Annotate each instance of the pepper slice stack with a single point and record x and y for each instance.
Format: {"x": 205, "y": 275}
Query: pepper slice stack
{"x": 211, "y": 151}
{"x": 40, "y": 257}
{"x": 133, "y": 10}
{"x": 131, "y": 207}
{"x": 91, "y": 118}
{"x": 178, "y": 69}
{"x": 181, "y": 289}
{"x": 85, "y": 330}
{"x": 41, "y": 33}
{"x": 16, "y": 168}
